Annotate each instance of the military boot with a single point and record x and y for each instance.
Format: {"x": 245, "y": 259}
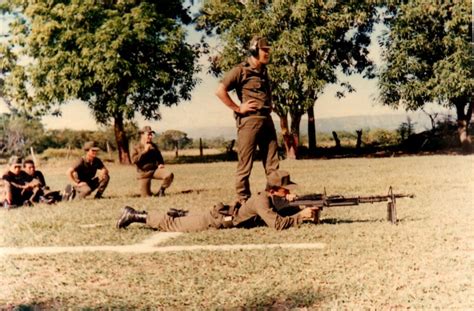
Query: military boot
{"x": 161, "y": 192}
{"x": 130, "y": 215}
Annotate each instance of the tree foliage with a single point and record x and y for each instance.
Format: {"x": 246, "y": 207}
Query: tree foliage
{"x": 429, "y": 57}
{"x": 18, "y": 133}
{"x": 311, "y": 41}
{"x": 121, "y": 57}
{"x": 174, "y": 140}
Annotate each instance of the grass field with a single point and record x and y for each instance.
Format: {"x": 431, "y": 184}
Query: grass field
{"x": 425, "y": 261}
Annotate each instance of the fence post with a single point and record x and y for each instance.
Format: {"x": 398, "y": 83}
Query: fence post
{"x": 200, "y": 147}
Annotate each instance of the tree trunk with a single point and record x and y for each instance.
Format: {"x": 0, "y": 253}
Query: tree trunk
{"x": 359, "y": 140}
{"x": 295, "y": 131}
{"x": 288, "y": 139}
{"x": 336, "y": 140}
{"x": 311, "y": 131}
{"x": 122, "y": 140}
{"x": 463, "y": 119}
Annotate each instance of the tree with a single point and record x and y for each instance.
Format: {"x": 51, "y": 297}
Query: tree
{"x": 121, "y": 57}
{"x": 18, "y": 133}
{"x": 311, "y": 40}
{"x": 174, "y": 140}
{"x": 429, "y": 59}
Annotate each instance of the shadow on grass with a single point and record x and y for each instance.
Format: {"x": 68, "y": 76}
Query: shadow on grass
{"x": 335, "y": 221}
{"x": 222, "y": 157}
{"x": 35, "y": 306}
{"x": 304, "y": 298}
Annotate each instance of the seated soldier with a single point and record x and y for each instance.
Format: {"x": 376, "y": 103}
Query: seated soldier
{"x": 253, "y": 212}
{"x": 17, "y": 192}
{"x": 36, "y": 181}
{"x": 83, "y": 173}
{"x": 150, "y": 164}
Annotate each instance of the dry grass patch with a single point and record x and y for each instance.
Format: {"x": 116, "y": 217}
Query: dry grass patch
{"x": 423, "y": 262}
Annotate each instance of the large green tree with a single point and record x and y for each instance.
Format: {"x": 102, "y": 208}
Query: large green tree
{"x": 121, "y": 57}
{"x": 311, "y": 41}
{"x": 428, "y": 55}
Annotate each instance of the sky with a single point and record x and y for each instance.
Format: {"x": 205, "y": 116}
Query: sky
{"x": 205, "y": 110}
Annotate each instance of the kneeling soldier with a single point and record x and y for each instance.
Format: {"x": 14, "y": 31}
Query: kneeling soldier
{"x": 150, "y": 164}
{"x": 83, "y": 173}
{"x": 250, "y": 214}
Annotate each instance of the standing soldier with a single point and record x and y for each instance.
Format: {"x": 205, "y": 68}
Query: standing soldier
{"x": 150, "y": 164}
{"x": 254, "y": 124}
{"x": 83, "y": 173}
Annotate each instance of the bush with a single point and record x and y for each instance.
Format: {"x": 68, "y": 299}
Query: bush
{"x": 380, "y": 137}
{"x": 62, "y": 153}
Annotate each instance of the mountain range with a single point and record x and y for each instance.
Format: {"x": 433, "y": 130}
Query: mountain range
{"x": 419, "y": 120}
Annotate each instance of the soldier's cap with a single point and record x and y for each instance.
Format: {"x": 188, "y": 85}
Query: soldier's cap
{"x": 146, "y": 129}
{"x": 15, "y": 160}
{"x": 91, "y": 145}
{"x": 280, "y": 179}
{"x": 260, "y": 42}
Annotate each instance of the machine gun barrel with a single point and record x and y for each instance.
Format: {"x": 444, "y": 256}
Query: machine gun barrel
{"x": 319, "y": 201}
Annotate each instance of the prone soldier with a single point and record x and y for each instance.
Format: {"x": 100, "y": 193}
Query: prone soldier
{"x": 150, "y": 164}
{"x": 258, "y": 209}
{"x": 254, "y": 124}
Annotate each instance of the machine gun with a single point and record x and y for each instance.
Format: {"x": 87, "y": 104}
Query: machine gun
{"x": 320, "y": 201}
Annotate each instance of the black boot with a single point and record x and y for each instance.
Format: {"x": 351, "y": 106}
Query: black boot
{"x": 130, "y": 215}
{"x": 161, "y": 192}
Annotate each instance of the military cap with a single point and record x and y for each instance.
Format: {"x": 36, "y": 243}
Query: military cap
{"x": 146, "y": 129}
{"x": 259, "y": 42}
{"x": 15, "y": 160}
{"x": 280, "y": 179}
{"x": 91, "y": 145}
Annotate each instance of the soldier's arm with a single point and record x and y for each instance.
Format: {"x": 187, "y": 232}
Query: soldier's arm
{"x": 104, "y": 171}
{"x": 159, "y": 156}
{"x": 41, "y": 178}
{"x": 135, "y": 154}
{"x": 101, "y": 167}
{"x": 272, "y": 219}
{"x": 223, "y": 95}
{"x": 230, "y": 81}
{"x": 72, "y": 173}
{"x": 138, "y": 152}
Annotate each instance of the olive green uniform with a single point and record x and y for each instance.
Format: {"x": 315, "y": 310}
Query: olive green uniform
{"x": 255, "y": 210}
{"x": 14, "y": 187}
{"x": 86, "y": 172}
{"x": 254, "y": 128}
{"x": 148, "y": 163}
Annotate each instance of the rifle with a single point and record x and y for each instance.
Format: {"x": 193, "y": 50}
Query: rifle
{"x": 319, "y": 201}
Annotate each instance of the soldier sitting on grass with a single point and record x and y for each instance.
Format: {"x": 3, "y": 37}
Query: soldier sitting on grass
{"x": 36, "y": 181}
{"x": 18, "y": 191}
{"x": 258, "y": 209}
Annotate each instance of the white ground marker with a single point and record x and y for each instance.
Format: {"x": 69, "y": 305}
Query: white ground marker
{"x": 149, "y": 246}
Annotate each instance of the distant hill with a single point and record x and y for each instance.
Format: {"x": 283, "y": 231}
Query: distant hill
{"x": 390, "y": 122}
